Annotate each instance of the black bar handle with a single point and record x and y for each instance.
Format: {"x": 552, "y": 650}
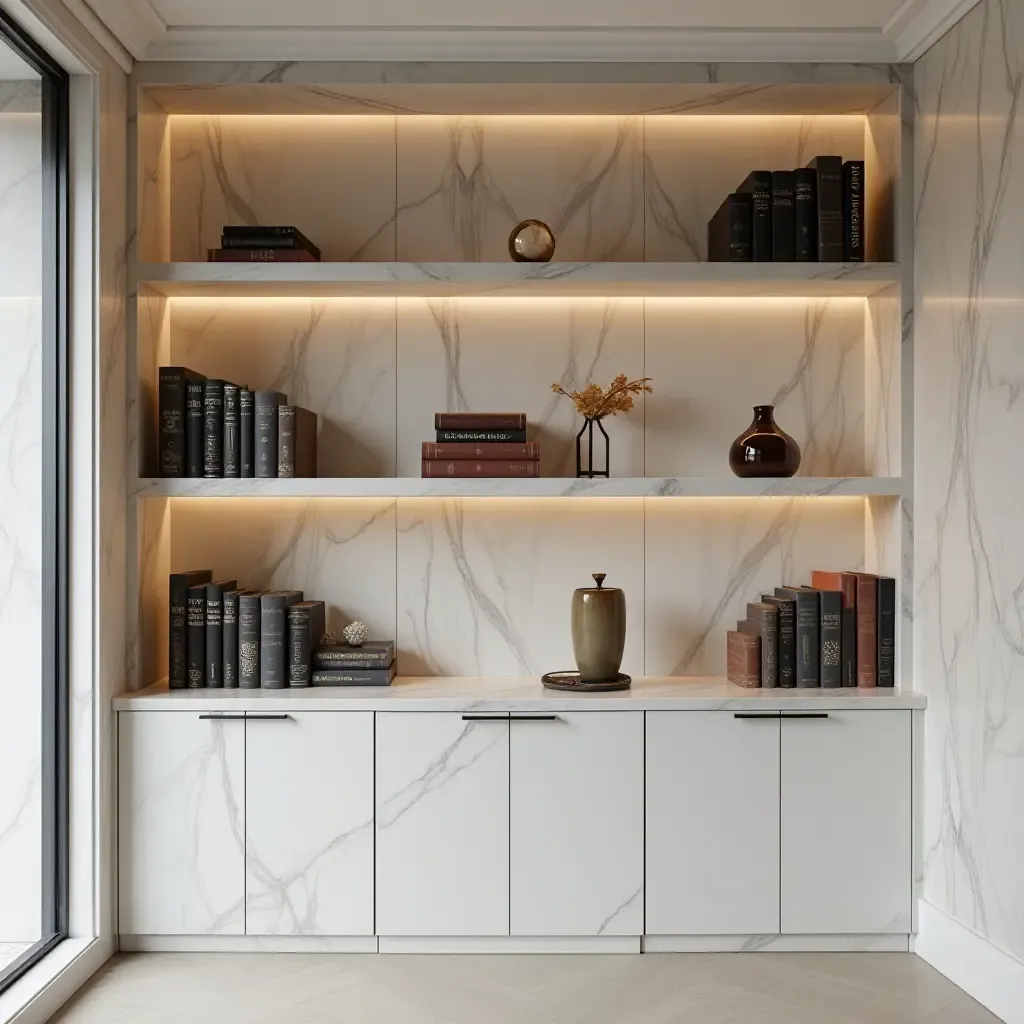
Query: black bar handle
{"x": 222, "y": 718}
{"x": 533, "y": 718}
{"x": 485, "y": 718}
{"x": 805, "y": 714}
{"x": 257, "y": 717}
{"x": 757, "y": 714}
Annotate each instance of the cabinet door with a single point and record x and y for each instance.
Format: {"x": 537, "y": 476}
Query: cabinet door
{"x": 846, "y": 822}
{"x": 712, "y": 823}
{"x": 181, "y": 824}
{"x": 309, "y": 823}
{"x": 577, "y": 824}
{"x": 442, "y": 824}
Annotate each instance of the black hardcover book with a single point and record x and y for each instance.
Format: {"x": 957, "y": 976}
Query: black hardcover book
{"x": 787, "y": 638}
{"x": 354, "y": 676}
{"x": 805, "y": 214}
{"x": 766, "y": 616}
{"x": 232, "y": 430}
{"x": 808, "y": 630}
{"x": 265, "y": 433}
{"x": 173, "y": 402}
{"x": 258, "y": 236}
{"x": 306, "y": 622}
{"x": 372, "y": 654}
{"x": 196, "y": 636}
{"x": 853, "y": 211}
{"x": 830, "y": 207}
{"x": 758, "y": 185}
{"x": 783, "y": 217}
{"x": 831, "y": 638}
{"x": 195, "y": 423}
{"x": 249, "y": 640}
{"x": 274, "y": 637}
{"x": 215, "y": 632}
{"x": 886, "y": 631}
{"x": 213, "y": 429}
{"x": 177, "y": 661}
{"x": 247, "y": 437}
{"x": 229, "y": 672}
{"x": 480, "y": 436}
{"x": 286, "y": 441}
{"x": 730, "y": 230}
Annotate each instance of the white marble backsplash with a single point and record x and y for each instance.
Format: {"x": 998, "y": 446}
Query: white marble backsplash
{"x": 969, "y": 489}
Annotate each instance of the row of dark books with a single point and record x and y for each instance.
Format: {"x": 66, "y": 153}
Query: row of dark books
{"x": 213, "y": 428}
{"x": 243, "y": 243}
{"x": 223, "y": 636}
{"x": 484, "y": 444}
{"x": 839, "y": 631}
{"x": 815, "y": 213}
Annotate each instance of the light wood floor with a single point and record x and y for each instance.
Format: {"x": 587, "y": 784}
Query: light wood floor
{"x": 758, "y": 988}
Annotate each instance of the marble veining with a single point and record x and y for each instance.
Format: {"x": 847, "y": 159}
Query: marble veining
{"x": 969, "y": 562}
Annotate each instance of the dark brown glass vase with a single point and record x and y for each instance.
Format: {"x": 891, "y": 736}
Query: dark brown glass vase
{"x": 763, "y": 449}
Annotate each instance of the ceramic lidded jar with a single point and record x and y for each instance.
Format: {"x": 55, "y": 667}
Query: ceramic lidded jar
{"x": 598, "y": 630}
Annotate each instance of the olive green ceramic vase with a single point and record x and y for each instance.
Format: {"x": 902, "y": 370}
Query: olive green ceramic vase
{"x": 598, "y": 630}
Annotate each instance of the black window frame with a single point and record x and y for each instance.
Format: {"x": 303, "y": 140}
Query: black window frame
{"x": 55, "y": 90}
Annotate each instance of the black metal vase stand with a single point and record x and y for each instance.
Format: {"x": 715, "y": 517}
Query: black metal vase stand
{"x": 587, "y": 443}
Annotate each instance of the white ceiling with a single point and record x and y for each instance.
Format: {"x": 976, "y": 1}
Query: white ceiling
{"x": 706, "y": 31}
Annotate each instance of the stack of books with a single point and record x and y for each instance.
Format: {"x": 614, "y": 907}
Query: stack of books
{"x": 481, "y": 444}
{"x": 815, "y": 213}
{"x": 262, "y": 244}
{"x": 213, "y": 428}
{"x": 225, "y": 636}
{"x": 839, "y": 631}
{"x": 370, "y": 664}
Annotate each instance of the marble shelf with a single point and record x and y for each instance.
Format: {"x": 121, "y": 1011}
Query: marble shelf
{"x": 697, "y": 280}
{"x": 517, "y": 694}
{"x": 548, "y": 487}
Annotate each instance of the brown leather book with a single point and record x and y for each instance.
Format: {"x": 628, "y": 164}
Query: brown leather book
{"x": 480, "y": 468}
{"x": 846, "y": 584}
{"x": 743, "y": 658}
{"x": 480, "y": 421}
{"x": 260, "y": 256}
{"x": 296, "y": 442}
{"x": 484, "y": 450}
{"x": 867, "y": 629}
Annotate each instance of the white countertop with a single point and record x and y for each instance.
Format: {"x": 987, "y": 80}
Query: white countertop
{"x": 496, "y": 693}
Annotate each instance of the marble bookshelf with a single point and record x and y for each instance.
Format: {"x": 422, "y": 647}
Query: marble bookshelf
{"x": 409, "y": 180}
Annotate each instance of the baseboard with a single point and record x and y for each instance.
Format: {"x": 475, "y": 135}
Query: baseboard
{"x": 982, "y": 970}
{"x": 247, "y": 944}
{"x": 776, "y": 943}
{"x": 510, "y": 944}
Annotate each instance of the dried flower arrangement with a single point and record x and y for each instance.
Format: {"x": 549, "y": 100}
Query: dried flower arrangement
{"x": 594, "y": 402}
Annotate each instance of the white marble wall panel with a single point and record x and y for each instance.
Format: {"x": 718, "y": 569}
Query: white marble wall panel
{"x": 968, "y": 487}
{"x": 707, "y": 557}
{"x": 152, "y": 139}
{"x": 338, "y": 551}
{"x": 712, "y": 360}
{"x": 21, "y": 214}
{"x": 464, "y": 183}
{"x": 485, "y": 587}
{"x": 333, "y": 178}
{"x": 883, "y": 383}
{"x": 336, "y": 357}
{"x": 476, "y": 355}
{"x": 692, "y": 163}
{"x": 147, "y": 638}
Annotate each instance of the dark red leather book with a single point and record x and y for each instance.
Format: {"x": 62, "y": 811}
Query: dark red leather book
{"x": 480, "y": 468}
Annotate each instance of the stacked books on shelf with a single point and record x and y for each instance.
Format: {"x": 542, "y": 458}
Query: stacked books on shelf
{"x": 839, "y": 631}
{"x": 213, "y": 428}
{"x": 222, "y": 636}
{"x": 486, "y": 444}
{"x": 814, "y": 213}
{"x": 263, "y": 244}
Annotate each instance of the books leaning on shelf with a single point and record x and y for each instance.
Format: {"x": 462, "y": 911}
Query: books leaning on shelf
{"x": 489, "y": 444}
{"x": 812, "y": 213}
{"x": 838, "y": 632}
{"x": 217, "y": 429}
{"x": 263, "y": 244}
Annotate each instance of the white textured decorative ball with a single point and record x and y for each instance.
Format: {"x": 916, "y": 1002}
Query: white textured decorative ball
{"x": 355, "y": 634}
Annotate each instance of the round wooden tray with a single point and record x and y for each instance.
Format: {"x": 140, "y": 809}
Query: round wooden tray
{"x": 572, "y": 681}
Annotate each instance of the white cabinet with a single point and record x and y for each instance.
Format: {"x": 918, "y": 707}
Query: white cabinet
{"x": 712, "y": 826}
{"x": 442, "y": 824}
{"x": 846, "y": 822}
{"x": 309, "y": 823}
{"x": 576, "y": 822}
{"x": 181, "y": 824}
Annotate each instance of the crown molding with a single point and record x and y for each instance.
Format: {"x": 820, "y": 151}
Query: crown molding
{"x": 89, "y": 20}
{"x": 919, "y": 24}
